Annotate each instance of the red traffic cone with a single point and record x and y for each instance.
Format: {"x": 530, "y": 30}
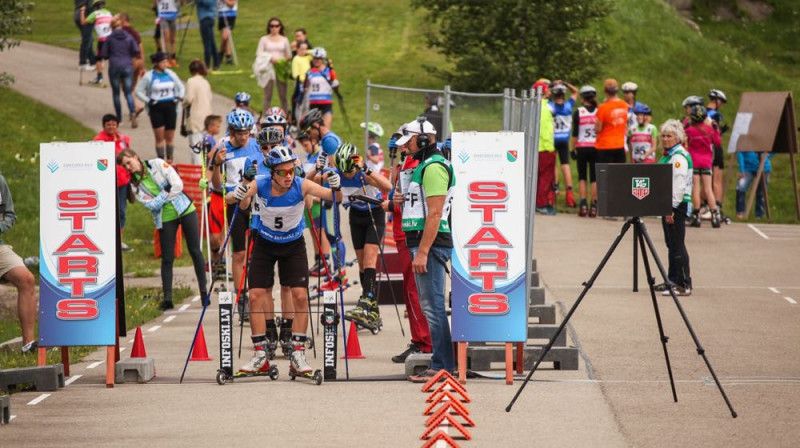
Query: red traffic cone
{"x": 200, "y": 352}
{"x": 138, "y": 345}
{"x": 353, "y": 347}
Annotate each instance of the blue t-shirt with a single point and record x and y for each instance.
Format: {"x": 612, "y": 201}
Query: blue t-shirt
{"x": 714, "y": 115}
{"x": 235, "y": 161}
{"x": 279, "y": 219}
{"x": 353, "y": 186}
{"x": 562, "y": 119}
{"x": 749, "y": 161}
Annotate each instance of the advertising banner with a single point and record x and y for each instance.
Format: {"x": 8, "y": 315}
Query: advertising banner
{"x": 488, "y": 225}
{"x": 77, "y": 244}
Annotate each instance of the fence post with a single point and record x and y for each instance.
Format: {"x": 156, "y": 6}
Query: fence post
{"x": 446, "y": 116}
{"x": 534, "y": 123}
{"x": 366, "y": 120}
{"x": 506, "y": 109}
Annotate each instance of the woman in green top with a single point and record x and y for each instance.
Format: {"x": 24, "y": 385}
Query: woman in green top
{"x": 159, "y": 188}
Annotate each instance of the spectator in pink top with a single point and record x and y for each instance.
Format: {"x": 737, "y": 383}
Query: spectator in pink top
{"x": 110, "y": 133}
{"x": 701, "y": 140}
{"x": 277, "y": 46}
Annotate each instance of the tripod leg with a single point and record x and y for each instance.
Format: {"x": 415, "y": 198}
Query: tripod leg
{"x": 651, "y": 284}
{"x": 700, "y": 350}
{"x": 636, "y": 259}
{"x": 586, "y": 287}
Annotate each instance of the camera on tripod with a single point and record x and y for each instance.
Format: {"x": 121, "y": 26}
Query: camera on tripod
{"x": 634, "y": 189}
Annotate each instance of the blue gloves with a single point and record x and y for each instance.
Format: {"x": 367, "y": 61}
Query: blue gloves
{"x": 393, "y": 143}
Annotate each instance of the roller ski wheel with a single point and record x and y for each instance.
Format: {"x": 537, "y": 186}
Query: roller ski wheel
{"x": 315, "y": 376}
{"x": 222, "y": 377}
{"x": 363, "y": 322}
{"x": 272, "y": 373}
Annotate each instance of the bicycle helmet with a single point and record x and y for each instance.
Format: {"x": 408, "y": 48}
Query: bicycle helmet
{"x": 693, "y": 100}
{"x": 275, "y": 110}
{"x": 269, "y": 135}
{"x": 342, "y": 157}
{"x": 630, "y": 87}
{"x": 239, "y": 120}
{"x": 373, "y": 128}
{"x": 588, "y": 91}
{"x": 275, "y": 120}
{"x": 308, "y": 120}
{"x": 715, "y": 94}
{"x": 560, "y": 89}
{"x": 319, "y": 53}
{"x": 643, "y": 109}
{"x": 278, "y": 155}
{"x": 698, "y": 114}
{"x": 242, "y": 98}
{"x": 544, "y": 83}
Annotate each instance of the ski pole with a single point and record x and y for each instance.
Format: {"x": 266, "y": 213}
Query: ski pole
{"x": 186, "y": 29}
{"x": 338, "y": 237}
{"x": 207, "y": 298}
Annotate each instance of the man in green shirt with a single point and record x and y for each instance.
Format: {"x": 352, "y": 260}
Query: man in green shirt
{"x": 427, "y": 195}
{"x": 13, "y": 270}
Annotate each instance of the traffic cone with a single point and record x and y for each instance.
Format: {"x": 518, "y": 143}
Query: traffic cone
{"x": 200, "y": 352}
{"x": 353, "y": 347}
{"x": 138, "y": 345}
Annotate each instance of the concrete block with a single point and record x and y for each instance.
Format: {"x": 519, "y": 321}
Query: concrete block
{"x": 417, "y": 363}
{"x": 481, "y": 358}
{"x": 534, "y": 279}
{"x": 5, "y": 410}
{"x": 537, "y": 295}
{"x": 134, "y": 370}
{"x": 533, "y": 265}
{"x": 546, "y": 332}
{"x": 545, "y": 313}
{"x": 46, "y": 378}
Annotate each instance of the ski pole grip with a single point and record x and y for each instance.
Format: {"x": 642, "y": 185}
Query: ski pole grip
{"x": 368, "y": 199}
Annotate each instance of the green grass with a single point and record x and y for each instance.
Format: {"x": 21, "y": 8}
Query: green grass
{"x": 141, "y": 306}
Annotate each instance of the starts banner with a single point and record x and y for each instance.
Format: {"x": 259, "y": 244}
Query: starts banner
{"x": 77, "y": 244}
{"x": 488, "y": 227}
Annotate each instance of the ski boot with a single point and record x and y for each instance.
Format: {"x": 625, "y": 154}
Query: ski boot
{"x": 298, "y": 366}
{"x": 583, "y": 211}
{"x": 272, "y": 343}
{"x": 258, "y": 365}
{"x": 694, "y": 220}
{"x": 716, "y": 219}
{"x": 286, "y": 341}
{"x": 366, "y": 315}
{"x": 570, "y": 198}
{"x": 243, "y": 307}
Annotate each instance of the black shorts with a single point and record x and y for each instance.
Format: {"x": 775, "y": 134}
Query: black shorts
{"x": 163, "y": 115}
{"x": 701, "y": 171}
{"x": 719, "y": 158}
{"x": 563, "y": 152}
{"x": 100, "y": 49}
{"x": 292, "y": 263}
{"x": 611, "y": 156}
{"x": 361, "y": 230}
{"x": 226, "y": 22}
{"x": 586, "y": 160}
{"x": 240, "y": 226}
{"x": 324, "y": 108}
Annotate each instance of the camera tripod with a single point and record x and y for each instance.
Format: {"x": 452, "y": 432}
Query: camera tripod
{"x": 641, "y": 238}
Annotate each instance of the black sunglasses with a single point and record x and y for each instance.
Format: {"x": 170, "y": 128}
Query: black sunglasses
{"x": 274, "y": 25}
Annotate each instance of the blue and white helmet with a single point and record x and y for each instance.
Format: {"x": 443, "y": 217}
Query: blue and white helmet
{"x": 242, "y": 98}
{"x": 319, "y": 53}
{"x": 278, "y": 155}
{"x": 240, "y": 120}
{"x": 641, "y": 108}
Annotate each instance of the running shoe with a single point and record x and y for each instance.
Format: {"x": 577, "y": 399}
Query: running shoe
{"x": 410, "y": 350}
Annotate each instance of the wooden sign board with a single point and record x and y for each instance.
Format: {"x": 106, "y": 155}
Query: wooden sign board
{"x": 765, "y": 122}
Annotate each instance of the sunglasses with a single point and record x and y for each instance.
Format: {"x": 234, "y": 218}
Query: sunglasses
{"x": 284, "y": 173}
{"x": 274, "y": 25}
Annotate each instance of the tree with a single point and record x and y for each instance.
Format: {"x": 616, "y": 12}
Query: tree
{"x": 511, "y": 43}
{"x": 14, "y": 20}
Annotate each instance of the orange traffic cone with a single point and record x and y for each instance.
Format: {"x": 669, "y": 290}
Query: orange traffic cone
{"x": 200, "y": 352}
{"x": 138, "y": 345}
{"x": 353, "y": 347}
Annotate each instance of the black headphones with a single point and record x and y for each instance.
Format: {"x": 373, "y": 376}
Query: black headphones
{"x": 423, "y": 140}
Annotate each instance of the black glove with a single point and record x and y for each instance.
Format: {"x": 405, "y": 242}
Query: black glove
{"x": 153, "y": 103}
{"x": 250, "y": 172}
{"x": 573, "y": 154}
{"x": 168, "y": 188}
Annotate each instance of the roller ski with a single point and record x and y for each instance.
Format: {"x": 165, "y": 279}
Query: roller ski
{"x": 286, "y": 342}
{"x": 258, "y": 365}
{"x": 366, "y": 315}
{"x": 299, "y": 368}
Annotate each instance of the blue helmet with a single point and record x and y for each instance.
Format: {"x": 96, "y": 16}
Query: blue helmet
{"x": 643, "y": 109}
{"x": 278, "y": 155}
{"x": 239, "y": 120}
{"x": 242, "y": 98}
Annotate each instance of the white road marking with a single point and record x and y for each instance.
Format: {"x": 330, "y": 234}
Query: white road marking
{"x": 196, "y": 299}
{"x": 775, "y": 290}
{"x": 94, "y": 364}
{"x": 790, "y": 300}
{"x": 170, "y": 319}
{"x": 38, "y": 399}
{"x": 153, "y": 328}
{"x": 184, "y": 307}
{"x": 72, "y": 379}
{"x": 760, "y": 233}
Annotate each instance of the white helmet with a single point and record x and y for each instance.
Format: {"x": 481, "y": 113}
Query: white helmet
{"x": 630, "y": 87}
{"x": 319, "y": 53}
{"x": 715, "y": 94}
{"x": 588, "y": 90}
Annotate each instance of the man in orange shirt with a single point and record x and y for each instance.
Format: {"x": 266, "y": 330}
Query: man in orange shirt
{"x": 611, "y": 126}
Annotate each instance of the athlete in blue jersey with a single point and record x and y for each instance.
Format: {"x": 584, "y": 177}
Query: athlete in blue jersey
{"x": 561, "y": 109}
{"x": 229, "y": 159}
{"x": 278, "y": 234}
{"x": 367, "y": 224}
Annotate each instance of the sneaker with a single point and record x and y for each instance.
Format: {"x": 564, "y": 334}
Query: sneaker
{"x": 228, "y": 60}
{"x": 410, "y": 350}
{"x": 126, "y": 248}
{"x": 551, "y": 210}
{"x": 166, "y": 305}
{"x": 570, "y": 199}
{"x": 680, "y": 291}
{"x": 30, "y": 347}
{"x": 299, "y": 363}
{"x": 87, "y": 68}
{"x": 593, "y": 210}
{"x": 541, "y": 210}
{"x": 134, "y": 121}
{"x": 661, "y": 287}
{"x": 584, "y": 210}
{"x": 97, "y": 81}
{"x": 423, "y": 377}
{"x": 258, "y": 363}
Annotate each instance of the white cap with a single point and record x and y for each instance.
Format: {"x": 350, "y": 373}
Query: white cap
{"x": 416, "y": 127}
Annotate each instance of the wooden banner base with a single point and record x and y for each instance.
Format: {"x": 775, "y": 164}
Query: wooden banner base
{"x": 462, "y": 360}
